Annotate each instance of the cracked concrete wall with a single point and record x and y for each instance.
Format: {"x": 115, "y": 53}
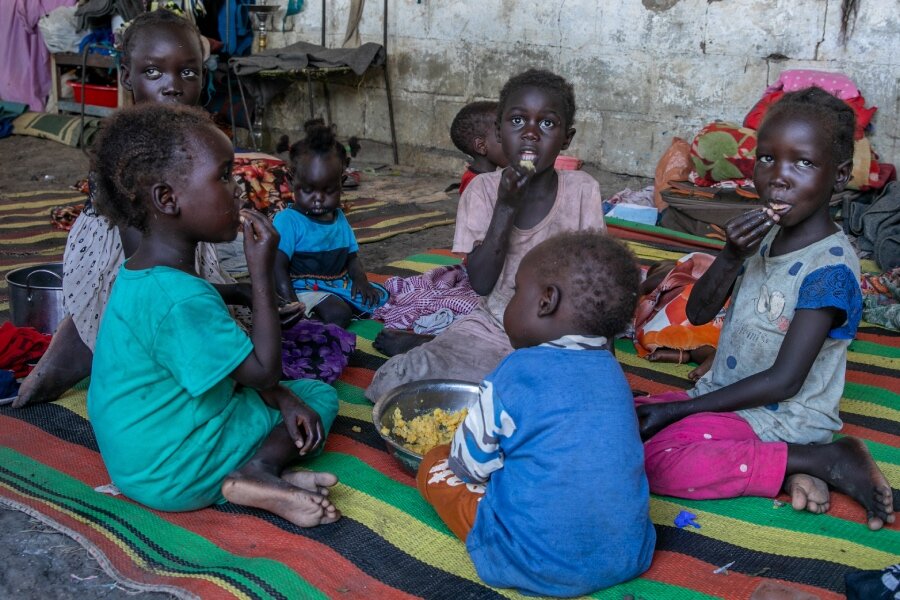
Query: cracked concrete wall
{"x": 644, "y": 71}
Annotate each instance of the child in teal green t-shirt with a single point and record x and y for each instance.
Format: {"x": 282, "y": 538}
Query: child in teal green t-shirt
{"x": 187, "y": 410}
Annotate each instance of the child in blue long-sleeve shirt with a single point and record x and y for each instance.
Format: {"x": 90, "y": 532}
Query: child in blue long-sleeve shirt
{"x": 545, "y": 478}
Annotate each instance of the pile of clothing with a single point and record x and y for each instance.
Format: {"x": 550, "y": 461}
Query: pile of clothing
{"x": 20, "y": 348}
{"x": 428, "y": 303}
{"x": 881, "y": 298}
{"x": 90, "y": 11}
{"x": 718, "y": 163}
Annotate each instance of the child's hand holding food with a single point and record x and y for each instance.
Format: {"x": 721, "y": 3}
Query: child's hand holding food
{"x": 513, "y": 183}
{"x": 745, "y": 232}
{"x": 260, "y": 242}
{"x": 291, "y": 312}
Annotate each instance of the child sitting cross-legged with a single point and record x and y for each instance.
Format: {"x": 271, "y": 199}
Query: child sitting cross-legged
{"x": 317, "y": 261}
{"x": 501, "y": 216}
{"x": 474, "y": 132}
{"x": 186, "y": 408}
{"x": 544, "y": 480}
{"x": 762, "y": 419}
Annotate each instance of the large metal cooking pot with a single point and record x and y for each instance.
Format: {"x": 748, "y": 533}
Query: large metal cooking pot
{"x": 36, "y": 296}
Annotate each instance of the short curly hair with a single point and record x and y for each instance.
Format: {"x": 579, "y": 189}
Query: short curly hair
{"x": 835, "y": 116}
{"x": 543, "y": 80}
{"x": 598, "y": 272}
{"x": 137, "y": 147}
{"x": 320, "y": 139}
{"x": 473, "y": 119}
{"x": 148, "y": 21}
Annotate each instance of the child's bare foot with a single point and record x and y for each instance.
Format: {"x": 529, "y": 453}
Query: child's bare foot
{"x": 808, "y": 493}
{"x": 669, "y": 355}
{"x": 703, "y": 368}
{"x": 392, "y": 342}
{"x": 66, "y": 362}
{"x": 847, "y": 466}
{"x": 256, "y": 486}
{"x": 311, "y": 481}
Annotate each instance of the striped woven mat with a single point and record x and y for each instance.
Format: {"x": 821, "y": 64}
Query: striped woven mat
{"x": 390, "y": 544}
{"x": 374, "y": 220}
{"x": 27, "y": 237}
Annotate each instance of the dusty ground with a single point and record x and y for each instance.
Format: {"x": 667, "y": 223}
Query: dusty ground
{"x": 37, "y": 562}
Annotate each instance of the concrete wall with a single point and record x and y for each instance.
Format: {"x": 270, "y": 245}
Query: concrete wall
{"x": 643, "y": 70}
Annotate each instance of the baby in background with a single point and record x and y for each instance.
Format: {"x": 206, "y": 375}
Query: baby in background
{"x": 549, "y": 459}
{"x": 474, "y": 132}
{"x": 317, "y": 262}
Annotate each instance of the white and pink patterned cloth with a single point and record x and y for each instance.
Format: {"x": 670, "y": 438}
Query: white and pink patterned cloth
{"x": 414, "y": 297}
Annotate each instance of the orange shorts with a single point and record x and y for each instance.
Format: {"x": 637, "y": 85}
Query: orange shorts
{"x": 454, "y": 500}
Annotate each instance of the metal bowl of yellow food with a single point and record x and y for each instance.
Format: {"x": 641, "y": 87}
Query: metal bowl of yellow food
{"x": 415, "y": 417}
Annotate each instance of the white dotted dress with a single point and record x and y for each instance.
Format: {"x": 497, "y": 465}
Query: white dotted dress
{"x": 91, "y": 261}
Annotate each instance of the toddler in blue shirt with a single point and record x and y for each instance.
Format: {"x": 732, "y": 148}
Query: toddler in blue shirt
{"x": 544, "y": 480}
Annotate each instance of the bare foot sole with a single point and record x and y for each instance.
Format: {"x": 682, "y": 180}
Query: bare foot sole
{"x": 311, "y": 481}
{"x": 808, "y": 493}
{"x": 849, "y": 468}
{"x": 774, "y": 590}
{"x": 392, "y": 342}
{"x": 259, "y": 489}
{"x": 66, "y": 362}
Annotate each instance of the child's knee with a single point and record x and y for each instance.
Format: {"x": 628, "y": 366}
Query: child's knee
{"x": 328, "y": 408}
{"x": 319, "y": 396}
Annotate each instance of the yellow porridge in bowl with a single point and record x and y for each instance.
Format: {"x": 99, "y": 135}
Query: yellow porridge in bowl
{"x": 422, "y": 433}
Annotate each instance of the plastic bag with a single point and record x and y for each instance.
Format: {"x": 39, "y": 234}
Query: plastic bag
{"x": 675, "y": 165}
{"x": 60, "y": 30}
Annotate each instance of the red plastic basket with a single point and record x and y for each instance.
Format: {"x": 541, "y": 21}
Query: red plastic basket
{"x": 95, "y": 95}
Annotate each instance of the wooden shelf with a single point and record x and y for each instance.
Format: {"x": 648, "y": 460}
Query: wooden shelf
{"x": 72, "y": 59}
{"x": 90, "y": 110}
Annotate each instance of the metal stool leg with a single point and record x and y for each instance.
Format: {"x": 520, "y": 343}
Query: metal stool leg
{"x": 246, "y": 114}
{"x": 327, "y": 95}
{"x": 387, "y": 87}
{"x": 309, "y": 91}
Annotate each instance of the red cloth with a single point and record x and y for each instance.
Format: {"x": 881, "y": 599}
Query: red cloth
{"x": 20, "y": 346}
{"x": 468, "y": 175}
{"x": 863, "y": 115}
{"x": 723, "y": 151}
{"x": 878, "y": 175}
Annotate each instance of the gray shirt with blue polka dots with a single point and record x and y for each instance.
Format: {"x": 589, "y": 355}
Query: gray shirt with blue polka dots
{"x": 767, "y": 292}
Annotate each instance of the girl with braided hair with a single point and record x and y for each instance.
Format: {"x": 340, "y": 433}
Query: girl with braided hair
{"x": 161, "y": 62}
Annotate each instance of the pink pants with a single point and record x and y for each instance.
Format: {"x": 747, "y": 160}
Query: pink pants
{"x": 711, "y": 455}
